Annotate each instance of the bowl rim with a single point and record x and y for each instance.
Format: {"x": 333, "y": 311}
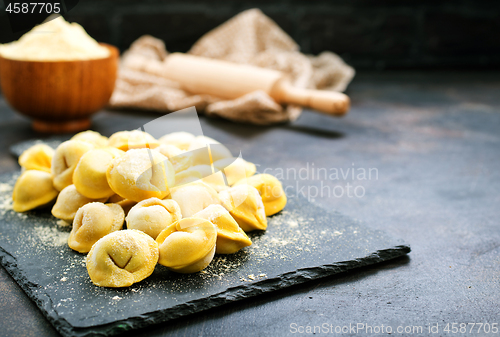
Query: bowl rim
{"x": 114, "y": 53}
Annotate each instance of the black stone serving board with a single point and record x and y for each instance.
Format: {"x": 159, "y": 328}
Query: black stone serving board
{"x": 302, "y": 243}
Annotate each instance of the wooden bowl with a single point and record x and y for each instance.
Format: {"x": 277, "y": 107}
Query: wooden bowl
{"x": 60, "y": 96}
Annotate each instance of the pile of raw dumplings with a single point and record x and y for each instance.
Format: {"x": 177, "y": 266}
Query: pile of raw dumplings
{"x": 183, "y": 199}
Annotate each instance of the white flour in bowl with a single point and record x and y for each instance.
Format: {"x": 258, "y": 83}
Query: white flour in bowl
{"x": 54, "y": 40}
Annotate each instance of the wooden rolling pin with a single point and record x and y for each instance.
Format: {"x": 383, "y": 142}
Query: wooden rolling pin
{"x": 199, "y": 75}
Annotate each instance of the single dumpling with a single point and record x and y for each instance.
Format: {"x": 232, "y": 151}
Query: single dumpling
{"x": 217, "y": 181}
{"x": 92, "y": 137}
{"x": 33, "y": 189}
{"x": 180, "y": 139}
{"x": 92, "y": 222}
{"x": 180, "y": 160}
{"x": 124, "y": 203}
{"x": 115, "y": 198}
{"x": 245, "y": 205}
{"x": 122, "y": 258}
{"x": 65, "y": 159}
{"x": 38, "y": 157}
{"x": 186, "y": 177}
{"x": 89, "y": 176}
{"x": 153, "y": 215}
{"x": 194, "y": 197}
{"x": 188, "y": 245}
{"x": 68, "y": 202}
{"x": 230, "y": 237}
{"x": 270, "y": 189}
{"x": 141, "y": 174}
{"x": 235, "y": 169}
{"x": 213, "y": 178}
{"x": 136, "y": 139}
{"x": 206, "y": 151}
{"x": 127, "y": 205}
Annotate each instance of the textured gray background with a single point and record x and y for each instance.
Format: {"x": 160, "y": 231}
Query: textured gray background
{"x": 369, "y": 34}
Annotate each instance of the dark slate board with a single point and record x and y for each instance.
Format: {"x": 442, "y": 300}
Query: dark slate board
{"x": 302, "y": 243}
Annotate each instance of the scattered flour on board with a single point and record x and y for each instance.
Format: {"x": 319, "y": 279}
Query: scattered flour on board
{"x": 5, "y": 198}
{"x": 252, "y": 277}
{"x": 4, "y": 187}
{"x": 293, "y": 223}
{"x": 51, "y": 236}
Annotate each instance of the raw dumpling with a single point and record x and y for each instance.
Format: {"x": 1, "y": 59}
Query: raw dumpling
{"x": 194, "y": 197}
{"x": 92, "y": 222}
{"x": 216, "y": 180}
{"x": 126, "y": 140}
{"x": 230, "y": 237}
{"x": 126, "y": 205}
{"x": 38, "y": 157}
{"x": 153, "y": 215}
{"x": 65, "y": 159}
{"x": 122, "y": 258}
{"x": 141, "y": 174}
{"x": 181, "y": 139}
{"x": 235, "y": 169}
{"x": 199, "y": 148}
{"x": 188, "y": 245}
{"x": 68, "y": 202}
{"x": 33, "y": 189}
{"x": 186, "y": 177}
{"x": 89, "y": 177}
{"x": 115, "y": 198}
{"x": 180, "y": 160}
{"x": 245, "y": 205}
{"x": 92, "y": 137}
{"x": 270, "y": 189}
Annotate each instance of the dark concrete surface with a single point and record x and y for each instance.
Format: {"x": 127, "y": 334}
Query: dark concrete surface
{"x": 434, "y": 140}
{"x": 366, "y": 34}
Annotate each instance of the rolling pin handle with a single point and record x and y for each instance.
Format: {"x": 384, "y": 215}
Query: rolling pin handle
{"x": 325, "y": 101}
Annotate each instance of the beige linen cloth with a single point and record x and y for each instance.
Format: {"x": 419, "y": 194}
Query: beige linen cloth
{"x": 249, "y": 38}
